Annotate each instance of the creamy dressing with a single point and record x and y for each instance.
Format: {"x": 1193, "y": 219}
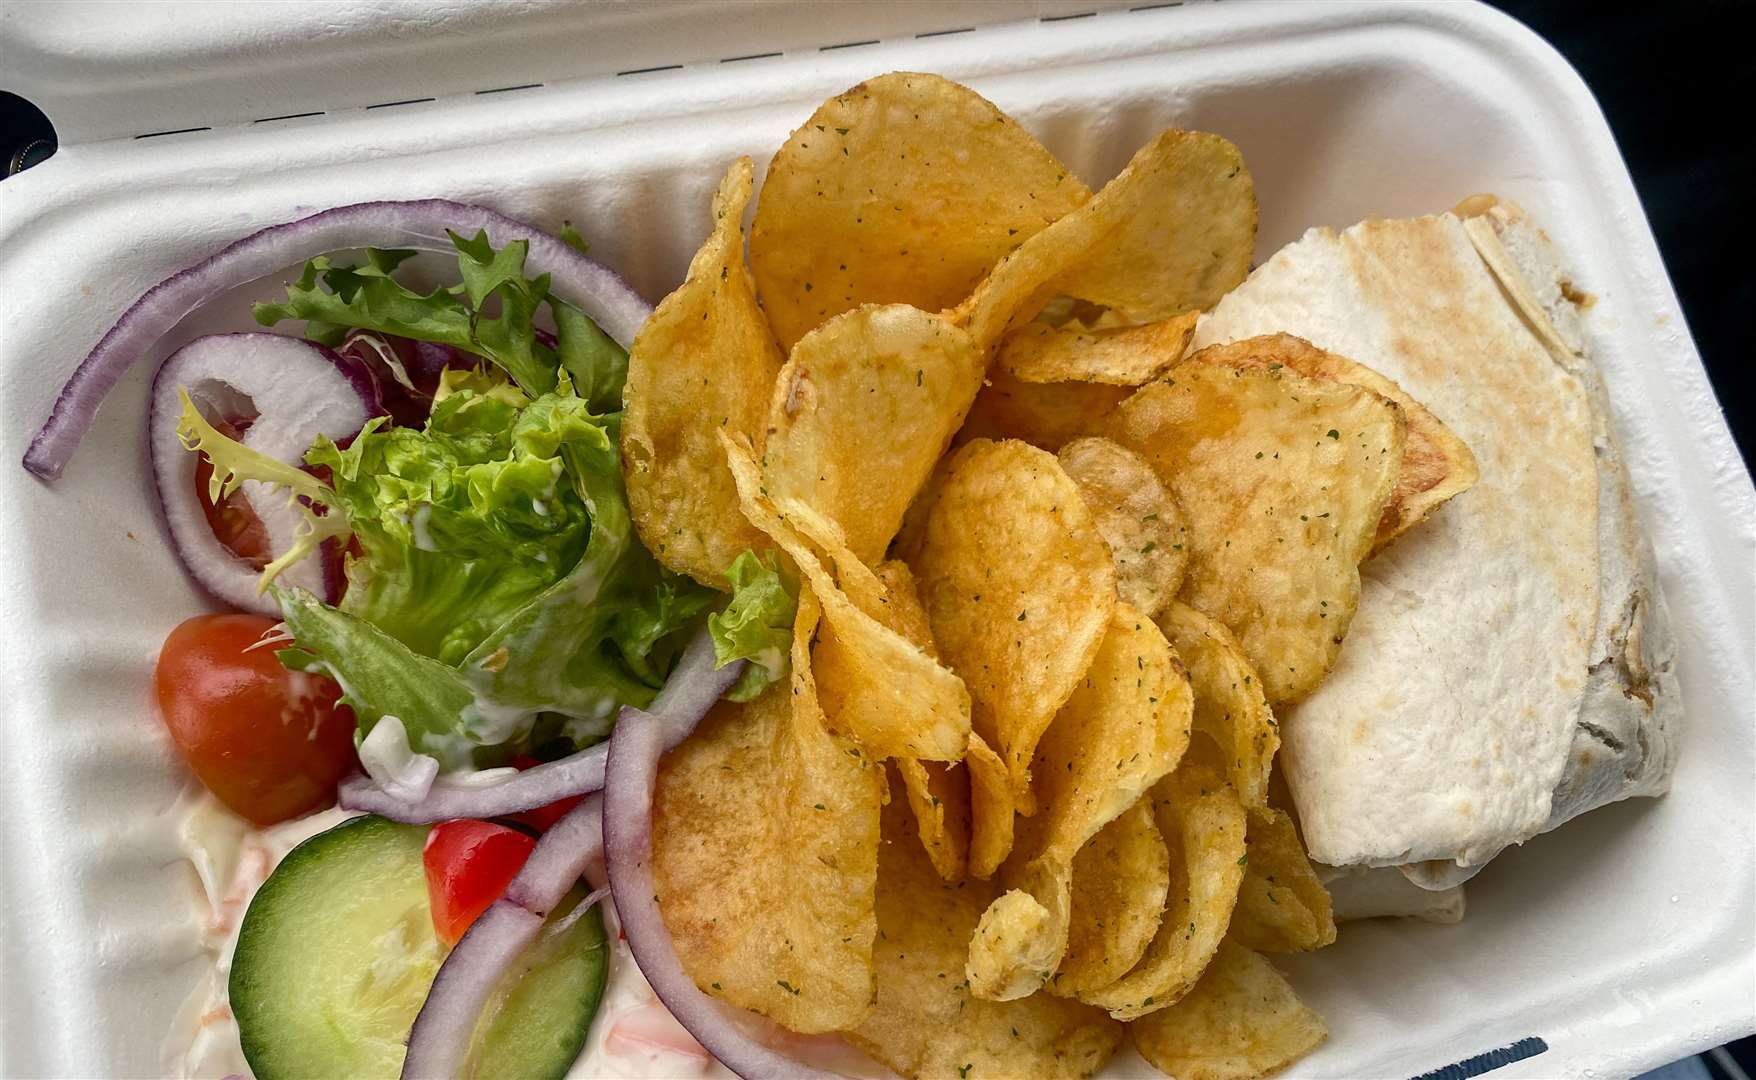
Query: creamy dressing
{"x": 231, "y": 859}
{"x": 386, "y": 756}
{"x": 633, "y": 1036}
{"x": 418, "y": 528}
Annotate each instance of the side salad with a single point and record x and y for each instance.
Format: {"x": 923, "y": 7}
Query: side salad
{"x": 442, "y": 616}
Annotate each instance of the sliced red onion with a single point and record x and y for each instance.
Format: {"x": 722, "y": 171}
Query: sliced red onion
{"x": 684, "y": 694}
{"x": 537, "y": 786}
{"x": 632, "y": 775}
{"x": 592, "y": 899}
{"x": 583, "y": 282}
{"x": 694, "y": 685}
{"x": 294, "y": 391}
{"x": 572, "y": 848}
{"x": 439, "y": 1040}
{"x": 332, "y": 560}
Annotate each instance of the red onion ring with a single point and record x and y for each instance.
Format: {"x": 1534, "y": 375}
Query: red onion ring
{"x": 691, "y": 690}
{"x": 297, "y": 392}
{"x": 630, "y": 780}
{"x": 572, "y": 848}
{"x": 439, "y": 1040}
{"x": 537, "y": 786}
{"x": 587, "y": 284}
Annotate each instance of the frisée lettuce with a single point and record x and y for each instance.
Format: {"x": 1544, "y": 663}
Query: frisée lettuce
{"x": 233, "y": 463}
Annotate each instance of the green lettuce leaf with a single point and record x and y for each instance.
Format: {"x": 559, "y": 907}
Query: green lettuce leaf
{"x": 380, "y": 676}
{"x": 498, "y": 597}
{"x": 757, "y": 625}
{"x": 495, "y": 546}
{"x": 459, "y": 524}
{"x": 596, "y": 364}
{"x": 333, "y": 299}
{"x": 605, "y": 634}
{"x": 368, "y": 298}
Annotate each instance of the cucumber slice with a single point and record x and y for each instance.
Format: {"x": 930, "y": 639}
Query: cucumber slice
{"x": 337, "y": 951}
{"x": 536, "y": 1024}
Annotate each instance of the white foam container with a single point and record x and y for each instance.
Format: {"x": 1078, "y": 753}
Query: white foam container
{"x": 1622, "y": 941}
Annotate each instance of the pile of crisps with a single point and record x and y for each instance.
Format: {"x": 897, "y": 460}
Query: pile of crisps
{"x": 1055, "y": 573}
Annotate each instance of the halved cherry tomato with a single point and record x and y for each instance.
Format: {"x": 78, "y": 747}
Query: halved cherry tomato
{"x": 270, "y": 743}
{"x": 543, "y": 817}
{"x": 469, "y": 864}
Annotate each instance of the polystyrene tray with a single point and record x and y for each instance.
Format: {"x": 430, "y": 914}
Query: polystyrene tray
{"x": 1618, "y": 943}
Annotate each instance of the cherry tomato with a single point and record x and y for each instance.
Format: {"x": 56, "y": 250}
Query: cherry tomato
{"x": 543, "y": 817}
{"x": 269, "y": 743}
{"x": 469, "y": 864}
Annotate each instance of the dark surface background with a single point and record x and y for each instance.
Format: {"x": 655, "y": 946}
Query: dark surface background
{"x": 1675, "y": 78}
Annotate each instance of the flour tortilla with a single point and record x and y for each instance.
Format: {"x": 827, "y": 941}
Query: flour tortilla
{"x": 1510, "y": 664}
